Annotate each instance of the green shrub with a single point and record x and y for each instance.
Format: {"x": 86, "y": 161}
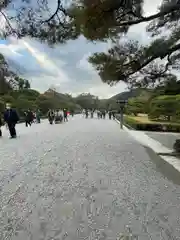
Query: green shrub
{"x": 154, "y": 126}
{"x": 136, "y": 105}
{"x": 164, "y": 106}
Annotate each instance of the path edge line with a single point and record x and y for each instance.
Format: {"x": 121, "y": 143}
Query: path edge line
{"x": 154, "y": 145}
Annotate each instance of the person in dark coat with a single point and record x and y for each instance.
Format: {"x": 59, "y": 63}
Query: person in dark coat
{"x": 86, "y": 113}
{"x": 11, "y": 118}
{"x": 65, "y": 115}
{"x": 28, "y": 118}
{"x": 51, "y": 116}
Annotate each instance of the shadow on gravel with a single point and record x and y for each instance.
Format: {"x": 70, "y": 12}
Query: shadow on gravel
{"x": 164, "y": 167}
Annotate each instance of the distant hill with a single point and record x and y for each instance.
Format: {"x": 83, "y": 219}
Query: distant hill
{"x": 132, "y": 93}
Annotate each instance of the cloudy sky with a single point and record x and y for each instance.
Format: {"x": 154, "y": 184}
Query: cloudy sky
{"x": 65, "y": 66}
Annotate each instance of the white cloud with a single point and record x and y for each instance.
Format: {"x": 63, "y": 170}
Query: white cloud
{"x": 151, "y": 7}
{"x": 10, "y": 49}
{"x": 84, "y": 64}
{"x": 105, "y": 91}
{"x": 43, "y": 82}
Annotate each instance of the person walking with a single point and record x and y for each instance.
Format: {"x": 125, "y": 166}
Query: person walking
{"x": 28, "y": 118}
{"x": 65, "y": 115}
{"x": 31, "y": 116}
{"x": 103, "y": 114}
{"x": 100, "y": 114}
{"x": 11, "y": 118}
{"x": 57, "y": 116}
{"x": 86, "y": 113}
{"x": 38, "y": 119}
{"x": 51, "y": 116}
{"x": 92, "y": 113}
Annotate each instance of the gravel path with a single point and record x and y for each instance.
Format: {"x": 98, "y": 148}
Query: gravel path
{"x": 85, "y": 179}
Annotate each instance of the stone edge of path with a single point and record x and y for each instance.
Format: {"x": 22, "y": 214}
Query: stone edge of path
{"x": 156, "y": 146}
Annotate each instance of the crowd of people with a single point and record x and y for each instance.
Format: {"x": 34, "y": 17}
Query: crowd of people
{"x": 101, "y": 114}
{"x": 11, "y": 118}
{"x": 56, "y": 116}
{"x": 31, "y": 117}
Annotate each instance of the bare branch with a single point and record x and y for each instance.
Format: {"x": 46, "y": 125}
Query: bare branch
{"x": 13, "y": 31}
{"x": 59, "y": 8}
{"x": 7, "y": 20}
{"x": 55, "y": 13}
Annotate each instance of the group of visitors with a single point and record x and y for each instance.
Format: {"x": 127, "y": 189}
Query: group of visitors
{"x": 31, "y": 117}
{"x": 11, "y": 118}
{"x": 101, "y": 114}
{"x": 87, "y": 112}
{"x": 57, "y": 116}
{"x": 112, "y": 115}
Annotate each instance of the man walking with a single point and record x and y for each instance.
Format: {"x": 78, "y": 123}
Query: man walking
{"x": 11, "y": 118}
{"x": 28, "y": 118}
{"x": 51, "y": 116}
{"x": 65, "y": 115}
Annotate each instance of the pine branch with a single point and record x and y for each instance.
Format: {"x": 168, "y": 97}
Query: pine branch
{"x": 164, "y": 12}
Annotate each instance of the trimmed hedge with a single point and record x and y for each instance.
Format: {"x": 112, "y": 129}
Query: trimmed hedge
{"x": 154, "y": 126}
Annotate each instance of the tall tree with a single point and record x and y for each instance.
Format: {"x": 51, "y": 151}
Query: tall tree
{"x": 87, "y": 101}
{"x": 22, "y": 83}
{"x": 129, "y": 61}
{"x": 27, "y": 84}
{"x": 8, "y": 79}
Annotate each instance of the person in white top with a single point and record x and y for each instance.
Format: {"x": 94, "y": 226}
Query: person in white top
{"x": 58, "y": 116}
